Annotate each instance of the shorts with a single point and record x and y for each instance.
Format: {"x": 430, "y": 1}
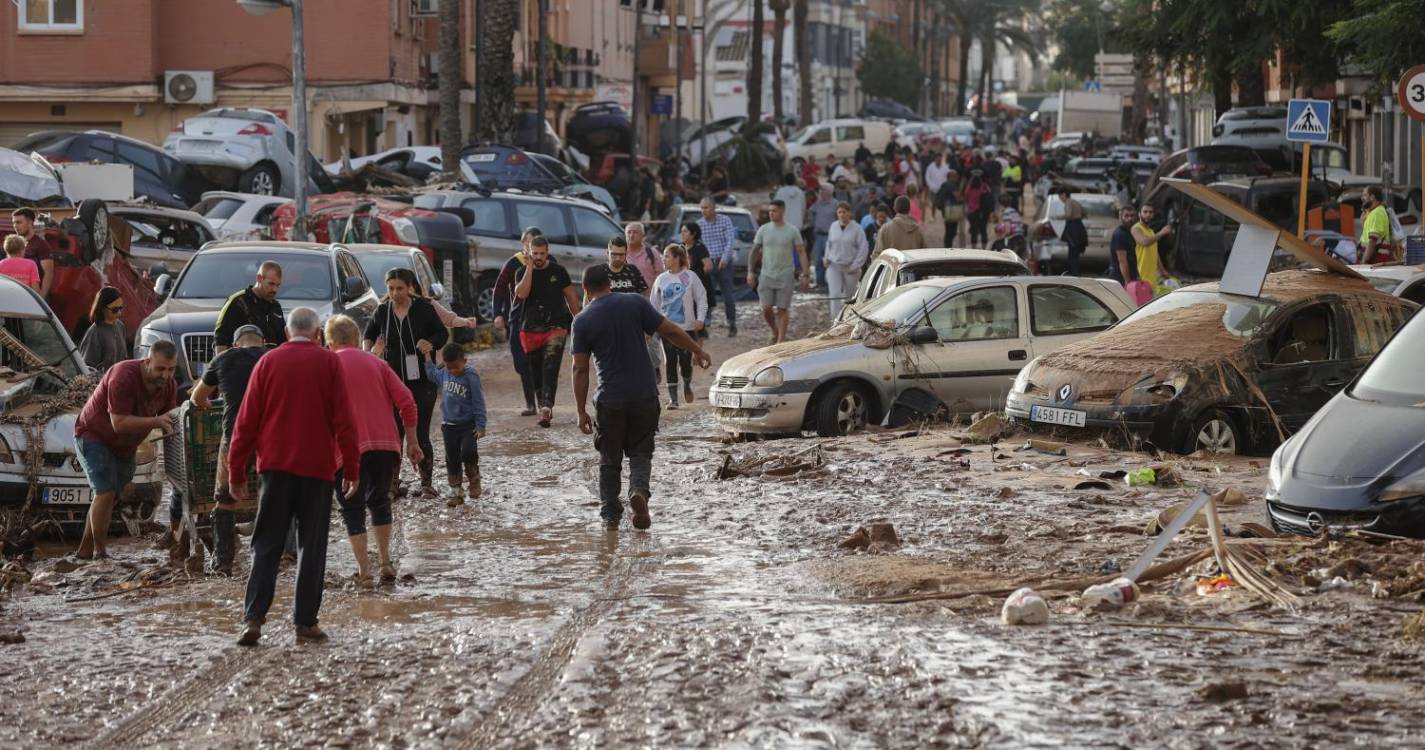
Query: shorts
{"x": 771, "y": 296}
{"x": 106, "y": 472}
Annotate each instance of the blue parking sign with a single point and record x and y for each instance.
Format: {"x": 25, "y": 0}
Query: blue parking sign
{"x": 1308, "y": 120}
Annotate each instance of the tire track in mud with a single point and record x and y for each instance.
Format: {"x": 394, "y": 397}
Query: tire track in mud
{"x": 185, "y": 697}
{"x": 525, "y": 697}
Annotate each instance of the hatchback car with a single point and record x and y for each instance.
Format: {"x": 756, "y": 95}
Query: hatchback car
{"x": 248, "y": 150}
{"x": 327, "y": 278}
{"x": 1200, "y": 369}
{"x": 893, "y": 268}
{"x": 1100, "y": 219}
{"x": 157, "y": 176}
{"x": 948, "y": 344}
{"x": 1360, "y": 462}
{"x": 1406, "y": 282}
{"x": 239, "y": 216}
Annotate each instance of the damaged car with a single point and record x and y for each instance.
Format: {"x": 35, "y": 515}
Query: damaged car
{"x": 1360, "y": 462}
{"x": 939, "y": 346}
{"x": 1202, "y": 369}
{"x": 43, "y": 385}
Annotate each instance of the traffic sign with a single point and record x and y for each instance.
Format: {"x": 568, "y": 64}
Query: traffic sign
{"x": 1411, "y": 93}
{"x": 662, "y": 104}
{"x": 1308, "y": 120}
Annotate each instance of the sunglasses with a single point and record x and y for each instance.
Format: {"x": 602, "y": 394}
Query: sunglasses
{"x": 116, "y": 308}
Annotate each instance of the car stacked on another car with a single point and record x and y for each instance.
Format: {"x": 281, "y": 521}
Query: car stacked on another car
{"x": 158, "y": 176}
{"x": 161, "y": 239}
{"x": 239, "y": 216}
{"x": 249, "y": 150}
{"x": 1202, "y": 369}
{"x": 941, "y": 345}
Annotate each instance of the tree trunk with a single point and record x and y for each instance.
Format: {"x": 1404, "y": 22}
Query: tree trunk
{"x": 1221, "y": 81}
{"x": 754, "y": 70}
{"x": 962, "y": 86}
{"x": 987, "y": 63}
{"x": 916, "y": 34}
{"x": 1251, "y": 87}
{"x": 779, "y": 55}
{"x": 450, "y": 80}
{"x": 498, "y": 62}
{"x": 801, "y": 37}
{"x": 1140, "y": 99}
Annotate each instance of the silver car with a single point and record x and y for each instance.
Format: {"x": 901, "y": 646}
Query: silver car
{"x": 248, "y": 150}
{"x": 952, "y": 344}
{"x": 1100, "y": 219}
{"x": 163, "y": 238}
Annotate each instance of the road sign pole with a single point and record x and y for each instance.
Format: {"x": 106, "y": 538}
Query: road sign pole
{"x": 1301, "y": 199}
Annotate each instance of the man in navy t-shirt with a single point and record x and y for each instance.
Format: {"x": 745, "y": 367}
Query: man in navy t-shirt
{"x": 612, "y": 328}
{"x": 1122, "y": 248}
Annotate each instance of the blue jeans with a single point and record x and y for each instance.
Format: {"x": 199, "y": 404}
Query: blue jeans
{"x": 722, "y": 278}
{"x": 818, "y": 252}
{"x": 107, "y": 473}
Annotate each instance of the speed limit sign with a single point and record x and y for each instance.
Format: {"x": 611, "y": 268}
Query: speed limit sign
{"x": 1411, "y": 93}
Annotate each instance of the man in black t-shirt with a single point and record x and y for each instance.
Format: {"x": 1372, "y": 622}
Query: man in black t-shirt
{"x": 550, "y": 304}
{"x": 1122, "y": 248}
{"x": 256, "y": 305}
{"x": 227, "y": 376}
{"x": 623, "y": 276}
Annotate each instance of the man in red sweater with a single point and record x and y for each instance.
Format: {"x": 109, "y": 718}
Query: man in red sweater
{"x": 297, "y": 416}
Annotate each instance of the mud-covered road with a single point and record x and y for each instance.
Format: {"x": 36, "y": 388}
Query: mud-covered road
{"x": 737, "y": 621}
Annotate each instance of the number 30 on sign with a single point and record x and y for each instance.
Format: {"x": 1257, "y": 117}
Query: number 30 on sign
{"x": 1411, "y": 92}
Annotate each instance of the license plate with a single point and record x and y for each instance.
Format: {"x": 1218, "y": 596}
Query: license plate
{"x": 727, "y": 401}
{"x": 66, "y": 496}
{"x": 478, "y": 158}
{"x": 1053, "y": 415}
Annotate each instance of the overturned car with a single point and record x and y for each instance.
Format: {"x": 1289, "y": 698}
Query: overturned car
{"x": 1201, "y": 369}
{"x": 43, "y": 385}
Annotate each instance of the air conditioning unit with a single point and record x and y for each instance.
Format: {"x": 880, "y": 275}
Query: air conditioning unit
{"x": 420, "y": 8}
{"x": 188, "y": 87}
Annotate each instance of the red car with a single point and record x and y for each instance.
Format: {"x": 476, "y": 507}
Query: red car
{"x": 361, "y": 218}
{"x": 79, "y": 237}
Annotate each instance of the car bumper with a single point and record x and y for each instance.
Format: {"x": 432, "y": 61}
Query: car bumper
{"x": 1142, "y": 421}
{"x": 15, "y": 488}
{"x": 1400, "y": 518}
{"x": 211, "y": 152}
{"x": 759, "y": 413}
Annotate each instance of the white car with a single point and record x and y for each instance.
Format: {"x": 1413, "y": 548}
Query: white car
{"x": 1406, "y": 282}
{"x": 838, "y": 138}
{"x": 244, "y": 149}
{"x": 952, "y": 344}
{"x": 239, "y": 216}
{"x": 419, "y": 162}
{"x": 893, "y": 268}
{"x": 61, "y": 490}
{"x": 959, "y": 131}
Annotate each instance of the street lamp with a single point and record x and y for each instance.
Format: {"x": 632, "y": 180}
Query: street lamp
{"x": 299, "y": 103}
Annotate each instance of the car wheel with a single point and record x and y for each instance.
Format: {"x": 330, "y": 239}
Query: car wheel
{"x": 842, "y": 410}
{"x": 95, "y": 217}
{"x": 485, "y": 296}
{"x": 260, "y": 180}
{"x": 1215, "y": 432}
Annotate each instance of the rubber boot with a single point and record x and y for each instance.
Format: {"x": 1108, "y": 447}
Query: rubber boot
{"x": 472, "y": 473}
{"x": 457, "y": 492}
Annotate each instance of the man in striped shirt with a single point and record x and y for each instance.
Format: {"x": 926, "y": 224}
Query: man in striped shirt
{"x": 718, "y": 235}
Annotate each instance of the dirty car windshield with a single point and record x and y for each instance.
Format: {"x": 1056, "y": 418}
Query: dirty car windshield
{"x": 1240, "y": 315}
{"x": 900, "y": 305}
{"x": 43, "y": 339}
{"x": 1394, "y": 375}
{"x": 218, "y": 275}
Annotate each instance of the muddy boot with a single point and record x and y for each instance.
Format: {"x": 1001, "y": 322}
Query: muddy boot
{"x": 688, "y": 393}
{"x": 427, "y": 487}
{"x": 472, "y": 474}
{"x": 457, "y": 493}
{"x": 251, "y": 632}
{"x": 638, "y": 501}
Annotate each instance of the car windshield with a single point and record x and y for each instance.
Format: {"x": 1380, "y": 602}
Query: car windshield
{"x": 218, "y": 208}
{"x": 1240, "y": 315}
{"x": 1385, "y": 284}
{"x": 218, "y": 275}
{"x": 38, "y": 343}
{"x": 900, "y": 305}
{"x": 375, "y": 265}
{"x": 1394, "y": 375}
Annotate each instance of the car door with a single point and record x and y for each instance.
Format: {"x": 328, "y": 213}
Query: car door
{"x": 848, "y": 139}
{"x": 1060, "y": 314}
{"x": 1304, "y": 362}
{"x": 982, "y": 346}
{"x": 360, "y": 308}
{"x": 1201, "y": 247}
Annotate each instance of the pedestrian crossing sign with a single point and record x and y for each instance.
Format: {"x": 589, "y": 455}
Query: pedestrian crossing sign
{"x": 1308, "y": 120}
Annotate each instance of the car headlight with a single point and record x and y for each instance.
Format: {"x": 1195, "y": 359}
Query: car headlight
{"x": 147, "y": 338}
{"x": 406, "y": 231}
{"x": 1274, "y": 471}
{"x": 769, "y": 378}
{"x": 1155, "y": 391}
{"x": 1021, "y": 381}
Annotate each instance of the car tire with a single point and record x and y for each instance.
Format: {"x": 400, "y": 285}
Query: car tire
{"x": 1215, "y": 432}
{"x": 262, "y": 179}
{"x": 842, "y": 410}
{"x": 94, "y": 214}
{"x": 485, "y": 296}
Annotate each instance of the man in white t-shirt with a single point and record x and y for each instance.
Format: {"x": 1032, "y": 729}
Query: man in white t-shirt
{"x": 935, "y": 176}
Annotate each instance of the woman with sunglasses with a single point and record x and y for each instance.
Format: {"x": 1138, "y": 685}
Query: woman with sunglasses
{"x": 106, "y": 341}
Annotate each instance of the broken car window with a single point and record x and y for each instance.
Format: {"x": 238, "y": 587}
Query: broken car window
{"x": 39, "y": 340}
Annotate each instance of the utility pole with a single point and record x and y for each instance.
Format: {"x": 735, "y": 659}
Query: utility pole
{"x": 677, "y": 11}
{"x": 299, "y": 118}
{"x": 540, "y": 92}
{"x": 478, "y": 13}
{"x": 633, "y": 116}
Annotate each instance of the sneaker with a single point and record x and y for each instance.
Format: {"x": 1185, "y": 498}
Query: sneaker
{"x": 546, "y": 415}
{"x": 673, "y": 405}
{"x": 638, "y": 500}
{"x": 313, "y": 633}
{"x": 251, "y": 632}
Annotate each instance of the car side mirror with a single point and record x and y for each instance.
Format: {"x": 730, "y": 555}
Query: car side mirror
{"x": 924, "y": 335}
{"x": 354, "y": 287}
{"x": 437, "y": 290}
{"x": 163, "y": 286}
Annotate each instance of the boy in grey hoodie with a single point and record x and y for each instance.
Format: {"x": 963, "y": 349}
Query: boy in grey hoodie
{"x": 462, "y": 408}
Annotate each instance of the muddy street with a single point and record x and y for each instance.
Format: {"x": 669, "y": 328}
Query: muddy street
{"x": 739, "y": 619}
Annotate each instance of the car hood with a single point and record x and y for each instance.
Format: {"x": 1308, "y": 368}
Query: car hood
{"x": 800, "y": 355}
{"x": 179, "y": 316}
{"x": 1355, "y": 445}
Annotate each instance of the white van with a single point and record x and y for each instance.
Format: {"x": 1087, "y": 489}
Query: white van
{"x": 838, "y": 138}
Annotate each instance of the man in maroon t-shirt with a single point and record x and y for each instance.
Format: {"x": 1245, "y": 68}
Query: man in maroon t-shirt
{"x": 37, "y": 248}
{"x": 132, "y": 400}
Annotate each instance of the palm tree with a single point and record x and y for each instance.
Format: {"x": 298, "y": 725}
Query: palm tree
{"x": 498, "y": 77}
{"x": 802, "y": 40}
{"x": 754, "y": 70}
{"x": 779, "y": 29}
{"x": 450, "y": 80}
{"x": 991, "y": 22}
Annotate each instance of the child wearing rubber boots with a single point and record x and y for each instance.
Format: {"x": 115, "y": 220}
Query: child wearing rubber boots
{"x": 462, "y": 408}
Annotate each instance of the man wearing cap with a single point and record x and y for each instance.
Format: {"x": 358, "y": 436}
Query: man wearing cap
{"x": 227, "y": 375}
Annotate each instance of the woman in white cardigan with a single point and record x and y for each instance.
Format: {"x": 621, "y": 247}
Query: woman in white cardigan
{"x": 680, "y": 296}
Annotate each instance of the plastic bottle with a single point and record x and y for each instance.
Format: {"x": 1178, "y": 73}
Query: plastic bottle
{"x": 1024, "y": 607}
{"x": 1139, "y": 477}
{"x": 1111, "y": 595}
